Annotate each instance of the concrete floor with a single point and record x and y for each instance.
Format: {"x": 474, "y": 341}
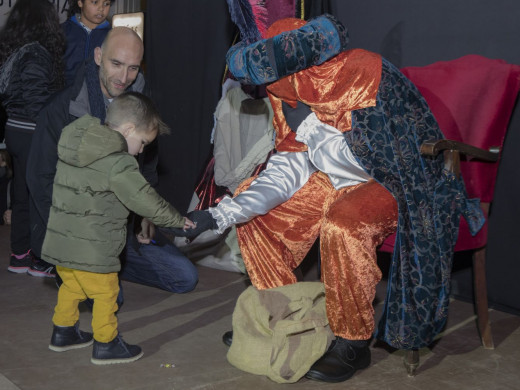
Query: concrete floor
{"x": 181, "y": 339}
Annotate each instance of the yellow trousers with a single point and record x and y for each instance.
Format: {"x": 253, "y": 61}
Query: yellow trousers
{"x": 80, "y": 285}
{"x": 350, "y": 222}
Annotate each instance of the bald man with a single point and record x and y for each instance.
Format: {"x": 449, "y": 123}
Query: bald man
{"x": 119, "y": 59}
{"x": 115, "y": 68}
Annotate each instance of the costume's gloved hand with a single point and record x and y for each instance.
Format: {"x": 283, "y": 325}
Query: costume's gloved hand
{"x": 295, "y": 116}
{"x": 204, "y": 221}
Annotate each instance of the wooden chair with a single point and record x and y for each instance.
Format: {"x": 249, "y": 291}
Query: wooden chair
{"x": 472, "y": 99}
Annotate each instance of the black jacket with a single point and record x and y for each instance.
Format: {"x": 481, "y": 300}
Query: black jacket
{"x": 66, "y": 106}
{"x": 25, "y": 82}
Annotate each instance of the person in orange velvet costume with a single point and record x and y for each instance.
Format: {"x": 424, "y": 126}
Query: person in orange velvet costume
{"x": 348, "y": 133}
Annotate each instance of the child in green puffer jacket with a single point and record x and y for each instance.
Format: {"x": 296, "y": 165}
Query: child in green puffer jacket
{"x": 97, "y": 182}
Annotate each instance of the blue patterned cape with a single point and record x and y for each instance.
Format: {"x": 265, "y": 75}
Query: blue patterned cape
{"x": 386, "y": 140}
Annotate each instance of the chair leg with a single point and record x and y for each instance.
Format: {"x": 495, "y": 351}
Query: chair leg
{"x": 411, "y": 361}
{"x": 481, "y": 301}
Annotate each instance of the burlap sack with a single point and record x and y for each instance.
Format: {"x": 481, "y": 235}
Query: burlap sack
{"x": 280, "y": 332}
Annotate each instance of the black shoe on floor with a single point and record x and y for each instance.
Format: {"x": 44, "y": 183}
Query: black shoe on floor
{"x": 116, "y": 351}
{"x": 65, "y": 338}
{"x": 227, "y": 338}
{"x": 341, "y": 361}
{"x": 21, "y": 265}
{"x": 42, "y": 269}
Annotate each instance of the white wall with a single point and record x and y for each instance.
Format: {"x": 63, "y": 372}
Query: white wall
{"x": 6, "y": 5}
{"x": 119, "y": 6}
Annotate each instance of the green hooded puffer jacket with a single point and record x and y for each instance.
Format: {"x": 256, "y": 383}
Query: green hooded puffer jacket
{"x": 96, "y": 184}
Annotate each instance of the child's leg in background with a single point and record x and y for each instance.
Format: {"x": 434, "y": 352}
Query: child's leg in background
{"x": 77, "y": 286}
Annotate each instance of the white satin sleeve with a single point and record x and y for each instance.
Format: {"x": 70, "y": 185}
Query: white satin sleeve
{"x": 330, "y": 153}
{"x": 285, "y": 173}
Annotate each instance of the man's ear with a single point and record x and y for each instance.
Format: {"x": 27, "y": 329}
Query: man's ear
{"x": 97, "y": 55}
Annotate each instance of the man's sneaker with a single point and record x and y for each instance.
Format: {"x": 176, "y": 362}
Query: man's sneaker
{"x": 20, "y": 264}
{"x": 341, "y": 361}
{"x": 65, "y": 338}
{"x": 116, "y": 351}
{"x": 42, "y": 269}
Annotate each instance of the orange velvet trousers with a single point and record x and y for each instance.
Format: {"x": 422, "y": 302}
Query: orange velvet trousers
{"x": 351, "y": 223}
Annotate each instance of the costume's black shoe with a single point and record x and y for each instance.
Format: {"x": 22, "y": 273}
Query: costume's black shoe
{"x": 227, "y": 338}
{"x": 116, "y": 351}
{"x": 65, "y": 338}
{"x": 340, "y": 362}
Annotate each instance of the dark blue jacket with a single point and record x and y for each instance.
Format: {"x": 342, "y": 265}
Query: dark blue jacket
{"x": 80, "y": 44}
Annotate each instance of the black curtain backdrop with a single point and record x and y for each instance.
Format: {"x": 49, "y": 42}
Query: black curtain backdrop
{"x": 185, "y": 47}
{"x": 186, "y": 43}
{"x": 417, "y": 33}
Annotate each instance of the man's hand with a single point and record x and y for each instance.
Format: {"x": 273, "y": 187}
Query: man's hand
{"x": 295, "y": 116}
{"x": 203, "y": 220}
{"x": 188, "y": 224}
{"x": 7, "y": 216}
{"x": 147, "y": 232}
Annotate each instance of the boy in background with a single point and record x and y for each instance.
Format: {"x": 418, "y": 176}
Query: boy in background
{"x": 85, "y": 29}
{"x": 97, "y": 182}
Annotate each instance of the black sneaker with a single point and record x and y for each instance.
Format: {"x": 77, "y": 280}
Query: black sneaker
{"x": 42, "y": 269}
{"x": 116, "y": 351}
{"x": 65, "y": 338}
{"x": 22, "y": 265}
{"x": 341, "y": 361}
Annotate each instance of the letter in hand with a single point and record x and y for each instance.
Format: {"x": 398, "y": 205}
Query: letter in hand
{"x": 295, "y": 116}
{"x": 202, "y": 220}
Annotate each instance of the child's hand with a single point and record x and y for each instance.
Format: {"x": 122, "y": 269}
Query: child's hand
{"x": 188, "y": 224}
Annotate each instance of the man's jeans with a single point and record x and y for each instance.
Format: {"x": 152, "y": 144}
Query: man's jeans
{"x": 160, "y": 265}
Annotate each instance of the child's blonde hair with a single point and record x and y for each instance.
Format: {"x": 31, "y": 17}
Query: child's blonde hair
{"x": 138, "y": 109}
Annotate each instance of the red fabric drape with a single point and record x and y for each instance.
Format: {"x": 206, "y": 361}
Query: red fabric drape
{"x": 472, "y": 99}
